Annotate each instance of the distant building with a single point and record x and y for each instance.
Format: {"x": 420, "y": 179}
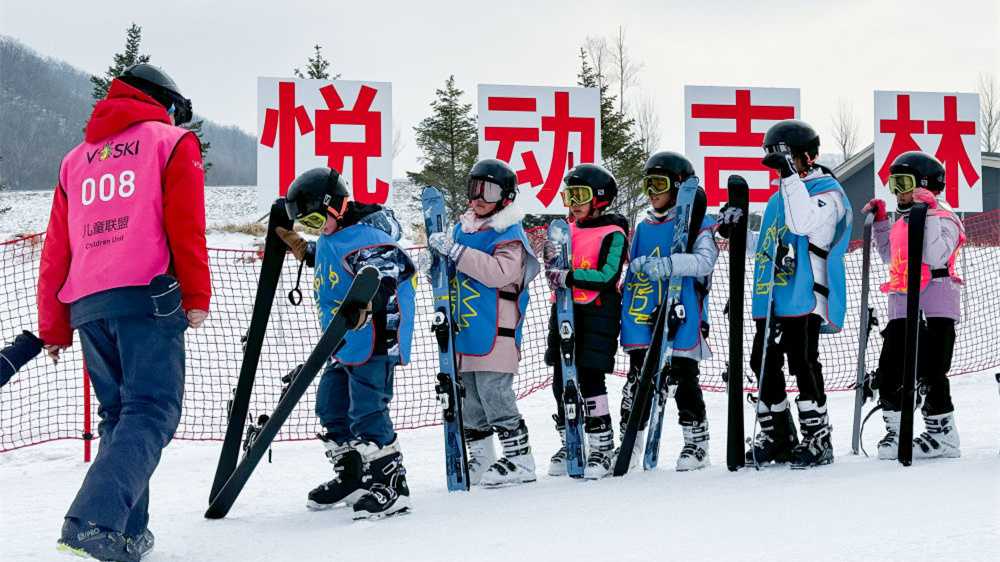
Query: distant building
{"x": 857, "y": 175}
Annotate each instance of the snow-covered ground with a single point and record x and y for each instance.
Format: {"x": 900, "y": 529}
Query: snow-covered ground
{"x": 855, "y": 509}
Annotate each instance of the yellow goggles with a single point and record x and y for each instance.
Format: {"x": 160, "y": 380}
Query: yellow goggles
{"x": 574, "y": 195}
{"x": 315, "y": 220}
{"x": 657, "y": 185}
{"x": 902, "y": 183}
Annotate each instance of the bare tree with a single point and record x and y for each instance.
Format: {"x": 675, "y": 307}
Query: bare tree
{"x": 647, "y": 122}
{"x": 989, "y": 112}
{"x": 600, "y": 58}
{"x": 626, "y": 69}
{"x": 845, "y": 129}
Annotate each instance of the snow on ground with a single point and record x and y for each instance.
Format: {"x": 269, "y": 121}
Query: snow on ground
{"x": 855, "y": 509}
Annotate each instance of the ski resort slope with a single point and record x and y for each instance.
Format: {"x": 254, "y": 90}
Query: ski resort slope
{"x": 855, "y": 509}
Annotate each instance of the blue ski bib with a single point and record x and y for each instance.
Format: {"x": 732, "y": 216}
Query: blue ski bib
{"x": 332, "y": 280}
{"x": 794, "y": 290}
{"x": 642, "y": 295}
{"x": 475, "y": 306}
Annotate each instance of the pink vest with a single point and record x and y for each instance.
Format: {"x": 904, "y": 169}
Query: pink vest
{"x": 114, "y": 190}
{"x": 898, "y": 250}
{"x": 587, "y": 252}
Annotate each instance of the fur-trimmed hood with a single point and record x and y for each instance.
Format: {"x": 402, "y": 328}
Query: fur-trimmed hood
{"x": 499, "y": 222}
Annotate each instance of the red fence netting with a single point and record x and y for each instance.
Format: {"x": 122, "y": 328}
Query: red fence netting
{"x": 45, "y": 401}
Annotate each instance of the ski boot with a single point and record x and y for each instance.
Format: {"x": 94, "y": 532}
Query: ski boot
{"x": 479, "y": 444}
{"x": 517, "y": 466}
{"x": 557, "y": 464}
{"x": 816, "y": 448}
{"x": 776, "y": 438}
{"x": 345, "y": 488}
{"x": 888, "y": 446}
{"x": 89, "y": 540}
{"x": 694, "y": 454}
{"x": 640, "y": 439}
{"x": 384, "y": 482}
{"x": 141, "y": 544}
{"x": 940, "y": 438}
{"x": 601, "y": 442}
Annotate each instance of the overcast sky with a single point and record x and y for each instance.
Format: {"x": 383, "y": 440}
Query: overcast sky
{"x": 831, "y": 50}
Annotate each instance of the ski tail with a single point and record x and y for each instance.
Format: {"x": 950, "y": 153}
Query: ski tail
{"x": 914, "y": 256}
{"x": 362, "y": 291}
{"x": 863, "y": 331}
{"x": 267, "y": 286}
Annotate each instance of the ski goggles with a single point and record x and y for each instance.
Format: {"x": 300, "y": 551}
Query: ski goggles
{"x": 575, "y": 195}
{"x": 657, "y": 185}
{"x": 484, "y": 189}
{"x": 780, "y": 148}
{"x": 316, "y": 219}
{"x": 902, "y": 183}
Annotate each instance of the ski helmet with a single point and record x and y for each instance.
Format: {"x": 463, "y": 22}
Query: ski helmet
{"x": 493, "y": 181}
{"x": 161, "y": 87}
{"x": 314, "y": 195}
{"x": 792, "y": 136}
{"x": 664, "y": 170}
{"x": 914, "y": 169}
{"x": 603, "y": 187}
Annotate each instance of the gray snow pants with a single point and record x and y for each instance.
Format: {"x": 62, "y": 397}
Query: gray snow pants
{"x": 489, "y": 401}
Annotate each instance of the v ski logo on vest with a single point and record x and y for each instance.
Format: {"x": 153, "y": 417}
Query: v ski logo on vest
{"x": 114, "y": 151}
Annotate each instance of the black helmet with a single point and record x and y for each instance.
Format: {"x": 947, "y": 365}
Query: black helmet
{"x": 670, "y": 164}
{"x": 926, "y": 169}
{"x": 794, "y": 136}
{"x": 602, "y": 184}
{"x": 496, "y": 172}
{"x": 320, "y": 190}
{"x": 161, "y": 87}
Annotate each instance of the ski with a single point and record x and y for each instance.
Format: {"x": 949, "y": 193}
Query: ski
{"x": 868, "y": 320}
{"x": 362, "y": 290}
{"x": 559, "y": 234}
{"x": 914, "y": 255}
{"x": 643, "y": 393}
{"x": 267, "y": 286}
{"x": 449, "y": 382}
{"x": 691, "y": 203}
{"x": 739, "y": 199}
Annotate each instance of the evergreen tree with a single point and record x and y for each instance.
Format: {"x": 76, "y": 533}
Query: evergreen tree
{"x": 318, "y": 67}
{"x": 131, "y": 56}
{"x": 621, "y": 149}
{"x": 449, "y": 143}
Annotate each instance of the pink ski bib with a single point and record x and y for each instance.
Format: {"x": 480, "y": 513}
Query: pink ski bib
{"x": 587, "y": 252}
{"x": 114, "y": 190}
{"x": 899, "y": 252}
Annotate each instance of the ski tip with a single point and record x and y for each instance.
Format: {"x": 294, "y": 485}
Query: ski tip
{"x": 737, "y": 181}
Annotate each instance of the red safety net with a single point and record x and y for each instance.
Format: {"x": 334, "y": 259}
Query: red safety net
{"x": 46, "y": 401}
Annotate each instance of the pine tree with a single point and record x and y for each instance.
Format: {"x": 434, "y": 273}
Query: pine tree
{"x": 449, "y": 143}
{"x": 317, "y": 68}
{"x": 131, "y": 56}
{"x": 621, "y": 150}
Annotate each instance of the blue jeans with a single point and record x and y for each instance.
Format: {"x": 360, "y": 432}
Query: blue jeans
{"x": 136, "y": 366}
{"x": 353, "y": 402}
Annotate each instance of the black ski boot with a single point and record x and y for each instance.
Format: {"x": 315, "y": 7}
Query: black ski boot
{"x": 90, "y": 541}
{"x": 345, "y": 488}
{"x": 384, "y": 482}
{"x": 776, "y": 438}
{"x": 816, "y": 448}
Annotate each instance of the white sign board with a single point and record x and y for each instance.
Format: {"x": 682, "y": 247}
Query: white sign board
{"x": 942, "y": 124}
{"x": 542, "y": 132}
{"x": 341, "y": 124}
{"x": 724, "y": 133}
